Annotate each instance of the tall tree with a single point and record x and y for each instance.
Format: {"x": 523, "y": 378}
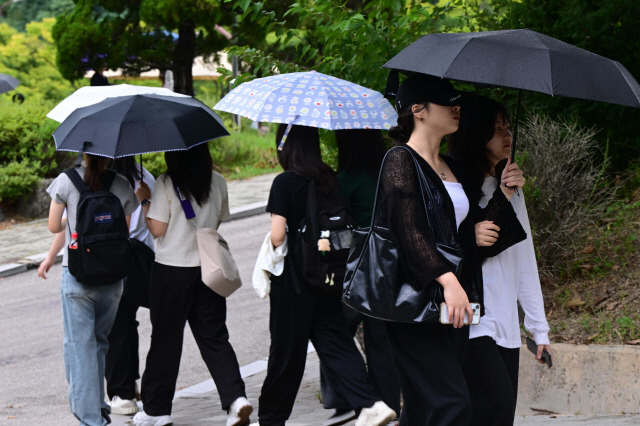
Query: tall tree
{"x": 139, "y": 35}
{"x": 18, "y": 13}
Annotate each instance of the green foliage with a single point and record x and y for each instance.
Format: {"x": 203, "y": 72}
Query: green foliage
{"x": 566, "y": 198}
{"x": 242, "y": 154}
{"x": 333, "y": 38}
{"x": 20, "y": 13}
{"x": 17, "y": 179}
{"x": 27, "y": 151}
{"x": 30, "y": 57}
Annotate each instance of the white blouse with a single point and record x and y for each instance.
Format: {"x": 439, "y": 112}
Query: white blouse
{"x": 509, "y": 278}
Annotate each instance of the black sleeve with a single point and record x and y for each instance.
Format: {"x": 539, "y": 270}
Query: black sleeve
{"x": 280, "y": 198}
{"x": 402, "y": 207}
{"x": 500, "y": 211}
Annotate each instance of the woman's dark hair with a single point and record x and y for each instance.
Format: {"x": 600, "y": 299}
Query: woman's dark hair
{"x": 191, "y": 171}
{"x": 95, "y": 167}
{"x": 468, "y": 144}
{"x": 301, "y": 154}
{"x": 126, "y": 166}
{"x": 402, "y": 131}
{"x": 360, "y": 149}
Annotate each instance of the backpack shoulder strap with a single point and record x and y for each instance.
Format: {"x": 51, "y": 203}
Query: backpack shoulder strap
{"x": 109, "y": 176}
{"x": 76, "y": 180}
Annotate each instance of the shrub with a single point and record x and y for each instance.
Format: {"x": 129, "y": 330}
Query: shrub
{"x": 27, "y": 149}
{"x": 566, "y": 197}
{"x": 16, "y": 179}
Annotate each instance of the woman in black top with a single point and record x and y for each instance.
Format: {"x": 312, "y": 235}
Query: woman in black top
{"x": 300, "y": 313}
{"x": 426, "y": 354}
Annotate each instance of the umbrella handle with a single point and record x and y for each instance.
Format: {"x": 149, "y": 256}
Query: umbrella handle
{"x": 515, "y": 134}
{"x": 141, "y": 174}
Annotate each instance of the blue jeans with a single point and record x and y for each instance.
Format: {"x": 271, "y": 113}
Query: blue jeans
{"x": 87, "y": 315}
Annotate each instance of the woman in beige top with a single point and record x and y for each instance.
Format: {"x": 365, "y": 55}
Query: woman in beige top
{"x": 177, "y": 293}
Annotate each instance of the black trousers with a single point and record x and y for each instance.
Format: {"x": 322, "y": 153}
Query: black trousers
{"x": 122, "y": 362}
{"x": 380, "y": 369}
{"x": 491, "y": 372}
{"x": 296, "y": 318}
{"x": 427, "y": 359}
{"x": 178, "y": 295}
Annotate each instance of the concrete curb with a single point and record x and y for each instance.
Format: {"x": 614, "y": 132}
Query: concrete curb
{"x": 32, "y": 262}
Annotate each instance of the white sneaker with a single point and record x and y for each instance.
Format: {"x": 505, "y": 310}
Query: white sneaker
{"x": 123, "y": 406}
{"x": 143, "y": 419}
{"x": 239, "y": 412}
{"x": 377, "y": 415}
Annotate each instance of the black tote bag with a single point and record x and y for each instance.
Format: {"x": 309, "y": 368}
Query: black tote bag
{"x": 375, "y": 283}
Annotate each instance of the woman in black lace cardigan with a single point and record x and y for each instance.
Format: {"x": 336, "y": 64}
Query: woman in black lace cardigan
{"x": 427, "y": 354}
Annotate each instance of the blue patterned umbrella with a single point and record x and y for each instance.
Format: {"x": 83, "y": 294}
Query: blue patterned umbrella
{"x": 310, "y": 99}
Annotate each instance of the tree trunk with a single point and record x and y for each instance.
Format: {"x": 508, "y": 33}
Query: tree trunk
{"x": 183, "y": 57}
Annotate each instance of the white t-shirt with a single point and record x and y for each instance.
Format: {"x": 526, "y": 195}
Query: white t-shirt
{"x": 62, "y": 190}
{"x": 178, "y": 246}
{"x": 509, "y": 278}
{"x": 459, "y": 200}
{"x": 138, "y": 227}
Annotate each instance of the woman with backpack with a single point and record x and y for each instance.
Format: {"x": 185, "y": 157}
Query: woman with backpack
{"x": 88, "y": 311}
{"x": 121, "y": 365}
{"x": 427, "y": 355}
{"x": 300, "y": 312}
{"x": 360, "y": 153}
{"x": 482, "y": 142}
{"x": 177, "y": 293}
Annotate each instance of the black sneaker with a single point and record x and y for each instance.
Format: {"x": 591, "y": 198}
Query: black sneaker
{"x": 105, "y": 414}
{"x": 340, "y": 417}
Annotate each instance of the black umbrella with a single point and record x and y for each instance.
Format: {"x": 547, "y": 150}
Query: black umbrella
{"x": 519, "y": 59}
{"x": 8, "y": 83}
{"x": 138, "y": 124}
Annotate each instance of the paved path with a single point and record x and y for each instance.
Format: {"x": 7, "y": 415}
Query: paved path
{"x": 23, "y": 246}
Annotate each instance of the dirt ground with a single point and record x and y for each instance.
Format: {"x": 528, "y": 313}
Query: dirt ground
{"x": 604, "y": 310}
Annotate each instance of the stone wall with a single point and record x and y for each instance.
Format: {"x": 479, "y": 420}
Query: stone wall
{"x": 594, "y": 379}
{"x": 36, "y": 205}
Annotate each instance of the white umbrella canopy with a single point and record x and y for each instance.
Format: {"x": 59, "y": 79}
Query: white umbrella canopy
{"x": 310, "y": 99}
{"x": 90, "y": 95}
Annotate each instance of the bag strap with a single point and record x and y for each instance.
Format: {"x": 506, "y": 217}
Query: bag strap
{"x": 187, "y": 207}
{"x": 77, "y": 181}
{"x": 424, "y": 187}
{"x": 81, "y": 186}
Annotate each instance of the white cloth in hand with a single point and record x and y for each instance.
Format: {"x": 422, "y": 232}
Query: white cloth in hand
{"x": 270, "y": 261}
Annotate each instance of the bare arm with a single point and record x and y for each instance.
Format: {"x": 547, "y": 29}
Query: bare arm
{"x": 278, "y": 229}
{"x": 56, "y": 224}
{"x": 50, "y": 260}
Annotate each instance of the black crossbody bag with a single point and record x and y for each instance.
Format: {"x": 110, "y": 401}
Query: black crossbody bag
{"x": 375, "y": 283}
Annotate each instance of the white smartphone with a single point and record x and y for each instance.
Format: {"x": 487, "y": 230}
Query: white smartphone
{"x": 444, "y": 314}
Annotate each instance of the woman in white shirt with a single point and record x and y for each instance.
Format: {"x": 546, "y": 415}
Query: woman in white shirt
{"x": 491, "y": 368}
{"x": 177, "y": 293}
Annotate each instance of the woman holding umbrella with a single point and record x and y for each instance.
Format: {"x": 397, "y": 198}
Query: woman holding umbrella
{"x": 482, "y": 141}
{"x": 300, "y": 312}
{"x": 427, "y": 355}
